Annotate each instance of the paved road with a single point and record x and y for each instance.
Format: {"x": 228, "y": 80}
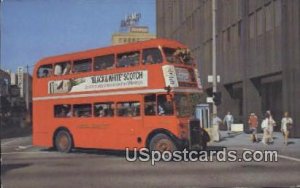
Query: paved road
{"x": 27, "y": 166}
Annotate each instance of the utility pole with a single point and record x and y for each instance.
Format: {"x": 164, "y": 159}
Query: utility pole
{"x": 27, "y": 89}
{"x": 214, "y": 54}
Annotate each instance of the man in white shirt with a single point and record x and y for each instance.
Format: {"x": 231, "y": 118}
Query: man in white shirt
{"x": 286, "y": 124}
{"x": 228, "y": 119}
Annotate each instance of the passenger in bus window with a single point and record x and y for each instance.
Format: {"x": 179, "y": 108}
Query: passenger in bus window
{"x": 67, "y": 69}
{"x": 161, "y": 110}
{"x": 58, "y": 69}
{"x": 45, "y": 73}
{"x": 149, "y": 59}
{"x": 150, "y": 109}
{"x": 100, "y": 112}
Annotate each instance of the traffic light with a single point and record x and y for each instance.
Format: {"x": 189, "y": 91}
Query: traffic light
{"x": 217, "y": 98}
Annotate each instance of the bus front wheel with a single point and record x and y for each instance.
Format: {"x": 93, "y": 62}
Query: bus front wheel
{"x": 63, "y": 141}
{"x": 161, "y": 143}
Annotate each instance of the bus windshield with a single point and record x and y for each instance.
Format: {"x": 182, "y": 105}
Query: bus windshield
{"x": 186, "y": 103}
{"x": 179, "y": 55}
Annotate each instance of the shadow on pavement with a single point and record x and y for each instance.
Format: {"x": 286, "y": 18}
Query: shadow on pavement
{"x": 15, "y": 131}
{"x": 229, "y": 135}
{"x": 8, "y": 167}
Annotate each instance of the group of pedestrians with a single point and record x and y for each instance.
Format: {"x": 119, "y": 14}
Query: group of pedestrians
{"x": 267, "y": 125}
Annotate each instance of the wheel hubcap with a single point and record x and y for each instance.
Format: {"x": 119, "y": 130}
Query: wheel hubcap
{"x": 63, "y": 142}
{"x": 164, "y": 145}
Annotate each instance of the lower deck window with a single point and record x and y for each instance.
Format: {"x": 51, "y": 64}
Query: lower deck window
{"x": 62, "y": 110}
{"x": 104, "y": 109}
{"x": 128, "y": 109}
{"x": 82, "y": 110}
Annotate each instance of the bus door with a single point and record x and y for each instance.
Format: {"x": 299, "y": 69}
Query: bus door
{"x": 129, "y": 123}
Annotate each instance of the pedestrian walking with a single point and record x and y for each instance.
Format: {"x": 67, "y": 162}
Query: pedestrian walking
{"x": 266, "y": 131}
{"x": 216, "y": 122}
{"x": 286, "y": 125}
{"x": 271, "y": 125}
{"x": 228, "y": 119}
{"x": 253, "y": 123}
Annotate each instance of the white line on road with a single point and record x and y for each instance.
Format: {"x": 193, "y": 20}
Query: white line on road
{"x": 23, "y": 147}
{"x": 281, "y": 156}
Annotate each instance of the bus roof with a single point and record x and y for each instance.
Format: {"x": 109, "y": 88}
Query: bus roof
{"x": 110, "y": 49}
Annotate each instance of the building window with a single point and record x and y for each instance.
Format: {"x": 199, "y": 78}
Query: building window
{"x": 104, "y": 62}
{"x": 128, "y": 109}
{"x": 82, "y": 110}
{"x": 228, "y": 34}
{"x": 83, "y": 65}
{"x": 252, "y": 26}
{"x": 260, "y": 23}
{"x": 44, "y": 71}
{"x": 278, "y": 13}
{"x": 152, "y": 56}
{"x": 62, "y": 68}
{"x": 128, "y": 59}
{"x": 269, "y": 17}
{"x": 62, "y": 111}
{"x": 104, "y": 109}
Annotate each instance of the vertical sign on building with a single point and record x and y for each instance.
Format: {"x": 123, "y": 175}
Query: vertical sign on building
{"x": 20, "y": 73}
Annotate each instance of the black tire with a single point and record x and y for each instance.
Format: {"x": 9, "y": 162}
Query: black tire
{"x": 63, "y": 141}
{"x": 161, "y": 142}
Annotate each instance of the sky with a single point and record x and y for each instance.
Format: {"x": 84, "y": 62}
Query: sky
{"x": 34, "y": 29}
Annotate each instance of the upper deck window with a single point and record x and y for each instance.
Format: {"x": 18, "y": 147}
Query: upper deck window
{"x": 128, "y": 59}
{"x": 83, "y": 65}
{"x": 62, "y": 68}
{"x": 179, "y": 55}
{"x": 44, "y": 71}
{"x": 104, "y": 62}
{"x": 152, "y": 56}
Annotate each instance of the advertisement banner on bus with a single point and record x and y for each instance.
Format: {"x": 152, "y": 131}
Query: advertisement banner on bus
{"x": 100, "y": 82}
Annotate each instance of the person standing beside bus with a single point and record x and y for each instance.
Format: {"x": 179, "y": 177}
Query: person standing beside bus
{"x": 286, "y": 124}
{"x": 228, "y": 119}
{"x": 253, "y": 122}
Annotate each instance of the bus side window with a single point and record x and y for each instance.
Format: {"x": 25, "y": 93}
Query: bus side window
{"x": 82, "y": 110}
{"x": 62, "y": 68}
{"x": 44, "y": 71}
{"x": 150, "y": 105}
{"x": 104, "y": 62}
{"x": 128, "y": 59}
{"x": 152, "y": 56}
{"x": 104, "y": 109}
{"x": 128, "y": 109}
{"x": 62, "y": 110}
{"x": 84, "y": 65}
{"x": 164, "y": 106}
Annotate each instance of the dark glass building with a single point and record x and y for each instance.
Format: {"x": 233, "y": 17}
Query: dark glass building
{"x": 258, "y": 52}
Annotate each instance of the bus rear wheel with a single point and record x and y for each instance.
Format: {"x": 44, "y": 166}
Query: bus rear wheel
{"x": 63, "y": 141}
{"x": 161, "y": 143}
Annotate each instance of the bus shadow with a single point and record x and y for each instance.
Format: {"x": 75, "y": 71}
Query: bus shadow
{"x": 8, "y": 167}
{"x": 102, "y": 152}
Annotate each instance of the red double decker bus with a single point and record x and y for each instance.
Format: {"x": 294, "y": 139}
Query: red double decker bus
{"x": 134, "y": 95}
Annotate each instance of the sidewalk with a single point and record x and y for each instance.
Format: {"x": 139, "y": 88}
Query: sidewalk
{"x": 241, "y": 139}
